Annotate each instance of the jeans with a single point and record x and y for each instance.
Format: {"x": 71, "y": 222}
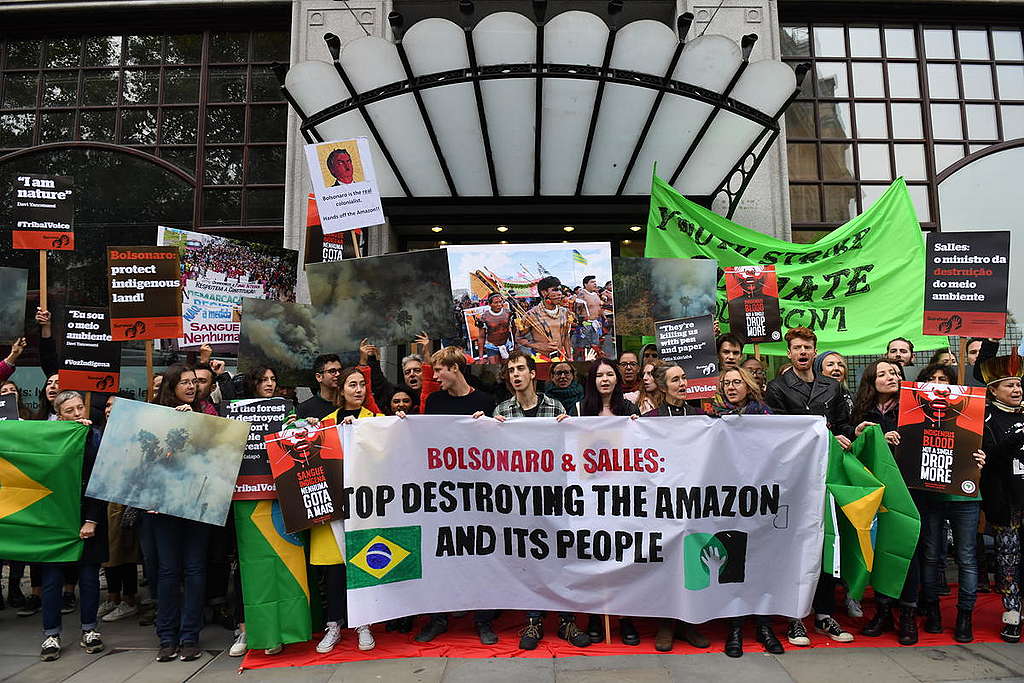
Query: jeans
{"x": 53, "y": 589}
{"x": 150, "y": 556}
{"x": 963, "y": 519}
{"x": 124, "y": 579}
{"x": 912, "y": 584}
{"x": 181, "y": 546}
{"x": 825, "y": 594}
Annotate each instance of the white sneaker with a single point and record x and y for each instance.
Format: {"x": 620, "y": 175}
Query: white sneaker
{"x": 332, "y": 635}
{"x": 853, "y": 608}
{"x": 366, "y": 641}
{"x": 239, "y": 647}
{"x": 106, "y": 607}
{"x": 122, "y": 611}
{"x": 276, "y": 650}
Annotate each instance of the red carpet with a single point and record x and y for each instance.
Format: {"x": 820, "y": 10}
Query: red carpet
{"x": 461, "y": 640}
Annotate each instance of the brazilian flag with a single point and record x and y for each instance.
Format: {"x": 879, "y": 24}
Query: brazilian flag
{"x": 379, "y": 556}
{"x": 41, "y": 490}
{"x": 871, "y": 522}
{"x": 275, "y": 583}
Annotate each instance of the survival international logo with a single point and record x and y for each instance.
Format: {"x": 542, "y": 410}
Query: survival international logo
{"x": 713, "y": 559}
{"x": 379, "y": 556}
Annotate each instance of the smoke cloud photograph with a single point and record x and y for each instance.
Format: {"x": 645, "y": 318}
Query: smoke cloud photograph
{"x": 13, "y": 283}
{"x": 386, "y": 299}
{"x": 280, "y": 335}
{"x": 177, "y": 463}
{"x": 648, "y": 290}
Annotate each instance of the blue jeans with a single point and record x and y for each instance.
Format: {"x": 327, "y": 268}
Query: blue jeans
{"x": 181, "y": 546}
{"x": 963, "y": 520}
{"x": 53, "y": 589}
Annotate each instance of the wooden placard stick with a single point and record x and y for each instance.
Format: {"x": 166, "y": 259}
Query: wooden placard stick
{"x": 149, "y": 371}
{"x": 961, "y": 361}
{"x": 42, "y": 279}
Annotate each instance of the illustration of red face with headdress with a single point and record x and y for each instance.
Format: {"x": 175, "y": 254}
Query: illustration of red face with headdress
{"x": 750, "y": 279}
{"x": 941, "y": 402}
{"x": 301, "y": 442}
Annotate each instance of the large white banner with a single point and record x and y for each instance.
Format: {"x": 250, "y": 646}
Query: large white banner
{"x": 688, "y": 517}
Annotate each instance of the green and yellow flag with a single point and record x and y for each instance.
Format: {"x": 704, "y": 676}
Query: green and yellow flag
{"x": 859, "y": 283}
{"x": 870, "y": 519}
{"x": 378, "y": 556}
{"x": 275, "y": 583}
{"x": 41, "y": 490}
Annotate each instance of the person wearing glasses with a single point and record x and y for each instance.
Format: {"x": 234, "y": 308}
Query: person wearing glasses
{"x": 755, "y": 367}
{"x": 564, "y": 386}
{"x": 629, "y": 366}
{"x": 327, "y": 369}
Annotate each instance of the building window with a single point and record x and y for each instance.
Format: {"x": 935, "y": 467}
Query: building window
{"x": 205, "y": 101}
{"x": 888, "y": 100}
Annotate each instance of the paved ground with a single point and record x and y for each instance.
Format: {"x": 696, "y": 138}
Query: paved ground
{"x": 132, "y": 652}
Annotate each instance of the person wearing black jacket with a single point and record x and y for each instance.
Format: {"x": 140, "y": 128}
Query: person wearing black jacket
{"x": 801, "y": 392}
{"x": 1002, "y": 480}
{"x": 70, "y": 407}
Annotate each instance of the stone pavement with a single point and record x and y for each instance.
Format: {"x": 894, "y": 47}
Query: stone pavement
{"x": 131, "y": 652}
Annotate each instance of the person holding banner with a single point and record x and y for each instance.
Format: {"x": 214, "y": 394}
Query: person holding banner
{"x": 800, "y": 392}
{"x": 323, "y": 544}
{"x": 71, "y": 408}
{"x": 1002, "y": 482}
{"x": 877, "y": 404}
{"x": 963, "y": 514}
{"x": 326, "y": 369}
{"x": 181, "y": 547}
{"x": 563, "y": 386}
{"x": 521, "y": 374}
{"x": 670, "y": 378}
{"x": 451, "y": 394}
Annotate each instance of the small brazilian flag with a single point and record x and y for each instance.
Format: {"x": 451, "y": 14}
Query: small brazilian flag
{"x": 378, "y": 556}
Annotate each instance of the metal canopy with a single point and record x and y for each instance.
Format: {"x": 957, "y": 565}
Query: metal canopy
{"x": 571, "y": 106}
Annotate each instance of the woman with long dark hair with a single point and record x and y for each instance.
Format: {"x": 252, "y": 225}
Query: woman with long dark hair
{"x": 602, "y": 392}
{"x": 181, "y": 546}
{"x": 260, "y": 382}
{"x": 877, "y": 404}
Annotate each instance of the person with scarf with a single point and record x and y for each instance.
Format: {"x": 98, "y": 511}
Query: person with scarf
{"x": 564, "y": 386}
{"x": 670, "y": 379}
{"x": 1002, "y": 481}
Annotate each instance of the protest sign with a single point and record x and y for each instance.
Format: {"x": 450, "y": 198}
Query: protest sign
{"x": 9, "y": 407}
{"x": 44, "y": 212}
{"x": 267, "y": 416}
{"x": 216, "y": 273}
{"x": 674, "y": 517}
{"x": 91, "y": 361}
{"x": 965, "y": 288}
{"x": 691, "y": 342}
{"x": 179, "y": 463}
{"x": 330, "y": 247}
{"x": 753, "y": 294}
{"x": 280, "y": 335}
{"x": 145, "y": 293}
{"x": 557, "y": 316}
{"x": 861, "y": 282}
{"x": 306, "y": 463}
{"x": 651, "y": 289}
{"x": 14, "y": 285}
{"x": 388, "y": 299}
{"x": 344, "y": 184}
{"x": 940, "y": 428}
{"x": 482, "y": 326}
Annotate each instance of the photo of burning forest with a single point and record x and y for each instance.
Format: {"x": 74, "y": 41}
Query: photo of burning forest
{"x": 178, "y": 463}
{"x": 648, "y": 290}
{"x": 282, "y": 336}
{"x": 13, "y": 283}
{"x": 387, "y": 299}
{"x": 552, "y": 301}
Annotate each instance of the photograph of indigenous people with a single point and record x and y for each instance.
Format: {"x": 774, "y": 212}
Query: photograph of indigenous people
{"x": 543, "y": 299}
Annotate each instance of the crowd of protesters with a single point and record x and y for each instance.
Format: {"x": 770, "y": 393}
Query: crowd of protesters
{"x": 188, "y": 565}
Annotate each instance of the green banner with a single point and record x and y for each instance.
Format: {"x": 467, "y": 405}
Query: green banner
{"x": 41, "y": 490}
{"x": 857, "y": 287}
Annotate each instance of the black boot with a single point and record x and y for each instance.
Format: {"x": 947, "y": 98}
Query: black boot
{"x": 881, "y": 622}
{"x": 595, "y": 628}
{"x": 964, "y": 632}
{"x": 628, "y": 632}
{"x": 908, "y": 625}
{"x": 767, "y": 638}
{"x": 734, "y": 641}
{"x": 932, "y": 618}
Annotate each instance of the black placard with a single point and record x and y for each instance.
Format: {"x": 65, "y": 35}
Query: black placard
{"x": 9, "y": 407}
{"x": 691, "y": 342}
{"x": 92, "y": 362}
{"x": 267, "y": 416}
{"x": 44, "y": 212}
{"x": 966, "y": 278}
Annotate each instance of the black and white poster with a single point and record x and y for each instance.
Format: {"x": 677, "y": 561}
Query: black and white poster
{"x": 92, "y": 362}
{"x": 966, "y": 278}
{"x": 691, "y": 342}
{"x": 44, "y": 212}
